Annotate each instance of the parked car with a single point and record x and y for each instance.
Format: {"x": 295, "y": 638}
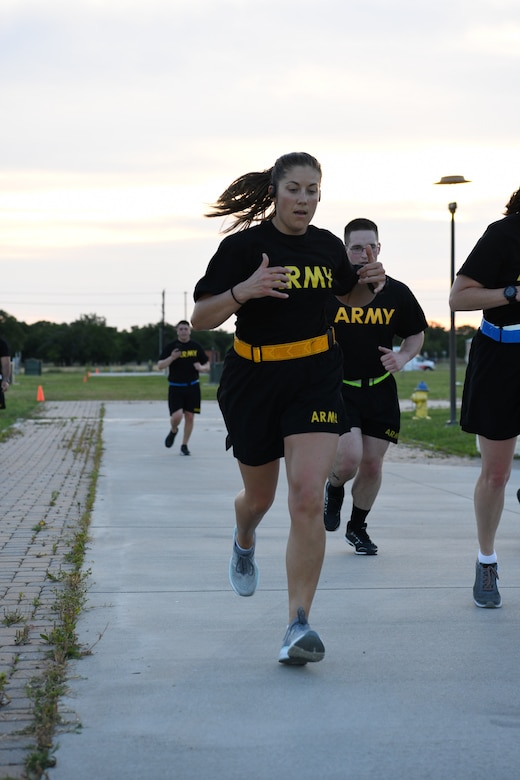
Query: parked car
{"x": 419, "y": 363}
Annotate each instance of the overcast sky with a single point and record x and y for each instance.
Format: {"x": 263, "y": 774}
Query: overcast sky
{"x": 123, "y": 119}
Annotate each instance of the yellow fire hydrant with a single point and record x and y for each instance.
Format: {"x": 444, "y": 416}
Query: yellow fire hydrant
{"x": 420, "y": 399}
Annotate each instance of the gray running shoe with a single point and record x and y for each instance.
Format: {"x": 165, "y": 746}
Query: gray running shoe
{"x": 332, "y": 507}
{"x": 485, "y": 590}
{"x": 243, "y": 571}
{"x": 301, "y": 644}
{"x": 360, "y": 540}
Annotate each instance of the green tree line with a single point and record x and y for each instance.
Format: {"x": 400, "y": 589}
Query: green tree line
{"x": 436, "y": 341}
{"x": 90, "y": 341}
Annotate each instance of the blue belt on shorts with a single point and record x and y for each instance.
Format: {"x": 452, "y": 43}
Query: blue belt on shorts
{"x": 184, "y": 384}
{"x": 506, "y": 334}
{"x": 373, "y": 380}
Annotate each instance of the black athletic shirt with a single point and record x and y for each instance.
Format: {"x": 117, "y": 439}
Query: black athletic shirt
{"x": 318, "y": 264}
{"x": 4, "y": 348}
{"x": 181, "y": 369}
{"x": 495, "y": 262}
{"x": 395, "y": 311}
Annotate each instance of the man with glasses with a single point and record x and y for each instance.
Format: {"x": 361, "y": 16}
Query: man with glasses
{"x": 366, "y": 335}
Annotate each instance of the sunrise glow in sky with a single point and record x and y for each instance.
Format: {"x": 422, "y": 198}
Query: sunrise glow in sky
{"x": 122, "y": 120}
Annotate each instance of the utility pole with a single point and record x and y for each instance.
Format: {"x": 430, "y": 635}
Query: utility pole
{"x": 161, "y": 326}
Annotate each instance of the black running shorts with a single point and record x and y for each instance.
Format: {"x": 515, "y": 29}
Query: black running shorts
{"x": 375, "y": 410}
{"x": 262, "y": 403}
{"x": 491, "y": 396}
{"x": 185, "y": 398}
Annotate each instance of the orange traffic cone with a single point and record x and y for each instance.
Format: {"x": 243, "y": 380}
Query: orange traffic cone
{"x": 39, "y": 395}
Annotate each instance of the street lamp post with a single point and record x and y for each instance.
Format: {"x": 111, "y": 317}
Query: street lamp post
{"x": 453, "y": 333}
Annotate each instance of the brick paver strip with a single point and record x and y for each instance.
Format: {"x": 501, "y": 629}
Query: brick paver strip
{"x": 46, "y": 470}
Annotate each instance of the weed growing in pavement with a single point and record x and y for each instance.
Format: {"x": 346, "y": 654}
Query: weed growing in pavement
{"x": 70, "y": 597}
{"x": 11, "y": 618}
{"x": 68, "y": 604}
{"x": 37, "y": 528}
{"x": 4, "y": 698}
{"x": 22, "y": 636}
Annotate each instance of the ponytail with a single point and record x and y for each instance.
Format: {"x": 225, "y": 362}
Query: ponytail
{"x": 251, "y": 196}
{"x": 248, "y": 197}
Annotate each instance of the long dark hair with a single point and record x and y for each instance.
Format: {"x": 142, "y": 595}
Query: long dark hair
{"x": 250, "y": 197}
{"x": 513, "y": 206}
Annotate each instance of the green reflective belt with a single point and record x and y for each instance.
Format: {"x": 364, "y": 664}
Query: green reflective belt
{"x": 375, "y": 380}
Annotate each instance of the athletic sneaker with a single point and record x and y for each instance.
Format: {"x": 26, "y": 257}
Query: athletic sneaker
{"x": 332, "y": 507}
{"x": 485, "y": 590}
{"x": 518, "y": 494}
{"x": 243, "y": 571}
{"x": 170, "y": 439}
{"x": 360, "y": 540}
{"x": 185, "y": 450}
{"x": 301, "y": 644}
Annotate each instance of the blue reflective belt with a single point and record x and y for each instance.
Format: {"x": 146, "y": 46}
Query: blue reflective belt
{"x": 508, "y": 334}
{"x": 183, "y": 384}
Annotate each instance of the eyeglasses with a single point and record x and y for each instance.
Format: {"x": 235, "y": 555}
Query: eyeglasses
{"x": 357, "y": 249}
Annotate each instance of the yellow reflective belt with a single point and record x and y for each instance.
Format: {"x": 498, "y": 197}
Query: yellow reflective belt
{"x": 288, "y": 351}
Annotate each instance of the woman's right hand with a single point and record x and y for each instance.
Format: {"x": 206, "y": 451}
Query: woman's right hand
{"x": 265, "y": 281}
{"x": 212, "y": 310}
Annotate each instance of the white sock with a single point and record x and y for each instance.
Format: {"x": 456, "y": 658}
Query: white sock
{"x": 487, "y": 558}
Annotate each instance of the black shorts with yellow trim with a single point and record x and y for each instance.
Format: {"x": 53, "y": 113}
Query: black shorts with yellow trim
{"x": 374, "y": 408}
{"x": 263, "y": 403}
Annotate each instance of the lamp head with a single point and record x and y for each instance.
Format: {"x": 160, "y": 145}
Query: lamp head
{"x": 453, "y": 180}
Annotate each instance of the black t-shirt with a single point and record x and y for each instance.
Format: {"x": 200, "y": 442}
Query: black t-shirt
{"x": 495, "y": 262}
{"x": 395, "y": 311}
{"x": 182, "y": 370}
{"x": 4, "y": 352}
{"x": 317, "y": 262}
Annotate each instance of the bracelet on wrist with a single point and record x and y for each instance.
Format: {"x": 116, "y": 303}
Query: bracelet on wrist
{"x": 235, "y": 298}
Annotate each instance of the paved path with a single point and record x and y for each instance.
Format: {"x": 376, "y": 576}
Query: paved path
{"x": 417, "y": 683}
{"x": 46, "y": 469}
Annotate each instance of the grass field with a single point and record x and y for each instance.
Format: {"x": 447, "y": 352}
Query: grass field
{"x": 73, "y": 385}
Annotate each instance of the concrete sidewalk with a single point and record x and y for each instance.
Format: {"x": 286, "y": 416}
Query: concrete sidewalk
{"x": 417, "y": 683}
